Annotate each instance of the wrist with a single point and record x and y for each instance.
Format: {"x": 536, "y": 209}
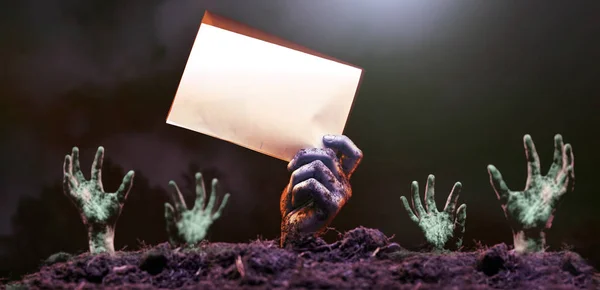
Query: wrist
{"x": 101, "y": 239}
{"x": 529, "y": 241}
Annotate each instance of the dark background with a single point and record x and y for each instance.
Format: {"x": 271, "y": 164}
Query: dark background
{"x": 450, "y": 87}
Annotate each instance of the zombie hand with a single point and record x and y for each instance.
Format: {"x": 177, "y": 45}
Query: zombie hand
{"x": 319, "y": 186}
{"x": 531, "y": 211}
{"x": 442, "y": 229}
{"x": 99, "y": 210}
{"x": 190, "y": 226}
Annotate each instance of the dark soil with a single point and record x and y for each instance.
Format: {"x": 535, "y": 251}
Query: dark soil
{"x": 362, "y": 259}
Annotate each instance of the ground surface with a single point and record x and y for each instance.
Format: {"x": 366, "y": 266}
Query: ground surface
{"x": 362, "y": 259}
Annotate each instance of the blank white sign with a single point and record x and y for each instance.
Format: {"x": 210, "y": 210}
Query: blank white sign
{"x": 261, "y": 95}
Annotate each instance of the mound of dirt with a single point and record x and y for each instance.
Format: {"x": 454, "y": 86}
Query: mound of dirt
{"x": 362, "y": 259}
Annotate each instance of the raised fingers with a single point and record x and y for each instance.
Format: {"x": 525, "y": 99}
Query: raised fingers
{"x": 97, "y": 164}
{"x": 178, "y": 200}
{"x": 557, "y": 161}
{"x": 461, "y": 218}
{"x": 170, "y": 220}
{"x": 417, "y": 205}
{"x": 568, "y": 156}
{"x": 453, "y": 199}
{"x": 213, "y": 197}
{"x": 69, "y": 184}
{"x": 68, "y": 165}
{"x": 351, "y": 155}
{"x": 410, "y": 212}
{"x": 502, "y": 191}
{"x": 169, "y": 214}
{"x": 318, "y": 171}
{"x": 76, "y": 171}
{"x": 569, "y": 161}
{"x": 565, "y": 181}
{"x": 125, "y": 187}
{"x": 200, "y": 191}
{"x": 430, "y": 194}
{"x": 217, "y": 213}
{"x": 306, "y": 156}
{"x": 533, "y": 160}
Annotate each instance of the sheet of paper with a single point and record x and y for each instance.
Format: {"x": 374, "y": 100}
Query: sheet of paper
{"x": 260, "y": 92}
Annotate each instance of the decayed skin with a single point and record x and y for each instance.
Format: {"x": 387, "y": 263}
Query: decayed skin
{"x": 319, "y": 186}
{"x": 190, "y": 226}
{"x": 99, "y": 210}
{"x": 441, "y": 229}
{"x": 530, "y": 212}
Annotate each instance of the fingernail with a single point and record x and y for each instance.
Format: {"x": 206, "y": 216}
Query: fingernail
{"x": 328, "y": 138}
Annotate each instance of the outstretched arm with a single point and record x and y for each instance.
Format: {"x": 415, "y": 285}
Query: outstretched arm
{"x": 531, "y": 211}
{"x": 99, "y": 210}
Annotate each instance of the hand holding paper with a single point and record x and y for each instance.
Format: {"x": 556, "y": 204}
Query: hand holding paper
{"x": 319, "y": 186}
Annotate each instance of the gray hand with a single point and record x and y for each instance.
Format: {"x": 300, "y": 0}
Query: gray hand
{"x": 319, "y": 186}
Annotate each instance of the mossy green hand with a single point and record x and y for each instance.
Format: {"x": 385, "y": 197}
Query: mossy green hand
{"x": 190, "y": 226}
{"x": 442, "y": 229}
{"x": 531, "y": 211}
{"x": 99, "y": 210}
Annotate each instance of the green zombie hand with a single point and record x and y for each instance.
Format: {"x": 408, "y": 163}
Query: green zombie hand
{"x": 99, "y": 210}
{"x": 190, "y": 226}
{"x": 531, "y": 211}
{"x": 441, "y": 229}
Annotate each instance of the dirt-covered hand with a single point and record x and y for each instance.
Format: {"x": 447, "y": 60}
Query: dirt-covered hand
{"x": 190, "y": 226}
{"x": 531, "y": 211}
{"x": 443, "y": 229}
{"x": 319, "y": 185}
{"x": 99, "y": 210}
